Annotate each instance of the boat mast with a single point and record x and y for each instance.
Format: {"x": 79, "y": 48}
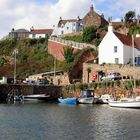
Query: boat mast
{"x": 54, "y": 67}
{"x": 133, "y": 63}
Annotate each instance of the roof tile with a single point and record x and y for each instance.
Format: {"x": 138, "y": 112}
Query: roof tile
{"x": 41, "y": 31}
{"x": 127, "y": 40}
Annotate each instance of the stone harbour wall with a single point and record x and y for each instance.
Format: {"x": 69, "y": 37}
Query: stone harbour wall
{"x": 53, "y": 91}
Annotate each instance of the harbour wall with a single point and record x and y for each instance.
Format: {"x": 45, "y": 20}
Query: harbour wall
{"x": 58, "y": 91}
{"x": 53, "y": 91}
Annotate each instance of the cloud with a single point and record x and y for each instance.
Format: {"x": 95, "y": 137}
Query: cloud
{"x": 117, "y": 9}
{"x": 25, "y": 14}
{"x": 45, "y": 13}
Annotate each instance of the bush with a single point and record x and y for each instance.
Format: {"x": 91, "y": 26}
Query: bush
{"x": 89, "y": 33}
{"x": 74, "y": 38}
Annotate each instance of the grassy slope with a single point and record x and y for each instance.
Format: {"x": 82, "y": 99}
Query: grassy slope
{"x": 32, "y": 57}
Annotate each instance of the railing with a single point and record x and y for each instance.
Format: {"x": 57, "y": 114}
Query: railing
{"x": 72, "y": 43}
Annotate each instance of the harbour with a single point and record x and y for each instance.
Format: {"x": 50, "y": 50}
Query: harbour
{"x": 50, "y": 121}
{"x": 71, "y": 72}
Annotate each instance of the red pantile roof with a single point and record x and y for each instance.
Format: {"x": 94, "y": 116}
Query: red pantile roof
{"x": 41, "y": 31}
{"x": 127, "y": 40}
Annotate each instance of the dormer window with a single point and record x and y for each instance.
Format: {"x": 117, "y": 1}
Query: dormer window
{"x": 115, "y": 49}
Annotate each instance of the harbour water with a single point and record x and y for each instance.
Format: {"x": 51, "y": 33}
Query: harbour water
{"x": 52, "y": 121}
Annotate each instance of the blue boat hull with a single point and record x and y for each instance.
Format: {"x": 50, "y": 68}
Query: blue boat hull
{"x": 68, "y": 100}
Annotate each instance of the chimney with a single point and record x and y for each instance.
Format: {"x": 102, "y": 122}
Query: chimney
{"x": 110, "y": 27}
{"x": 13, "y": 29}
{"x": 91, "y": 8}
{"x": 102, "y": 15}
{"x": 60, "y": 18}
{"x": 78, "y": 18}
{"x": 110, "y": 19}
{"x": 32, "y": 28}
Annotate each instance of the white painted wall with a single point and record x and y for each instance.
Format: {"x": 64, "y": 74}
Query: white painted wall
{"x": 128, "y": 54}
{"x": 106, "y": 49}
{"x": 37, "y": 36}
{"x": 69, "y": 27}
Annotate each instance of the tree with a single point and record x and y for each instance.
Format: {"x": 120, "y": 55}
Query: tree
{"x": 3, "y": 61}
{"x": 89, "y": 33}
{"x": 129, "y": 16}
{"x": 134, "y": 29}
{"x": 68, "y": 54}
{"x": 88, "y": 71}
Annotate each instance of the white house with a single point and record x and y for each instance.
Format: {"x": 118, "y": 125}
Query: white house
{"x": 77, "y": 25}
{"x": 68, "y": 26}
{"x": 116, "y": 48}
{"x": 40, "y": 33}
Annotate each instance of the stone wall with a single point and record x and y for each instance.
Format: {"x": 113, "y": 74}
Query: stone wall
{"x": 53, "y": 91}
{"x": 124, "y": 70}
{"x": 58, "y": 91}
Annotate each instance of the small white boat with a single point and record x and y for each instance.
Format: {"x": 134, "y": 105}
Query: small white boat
{"x": 37, "y": 97}
{"x": 125, "y": 103}
{"x": 106, "y": 98}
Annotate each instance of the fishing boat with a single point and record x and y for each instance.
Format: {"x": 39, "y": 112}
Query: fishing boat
{"x": 125, "y": 103}
{"x": 68, "y": 100}
{"x": 86, "y": 100}
{"x": 88, "y": 97}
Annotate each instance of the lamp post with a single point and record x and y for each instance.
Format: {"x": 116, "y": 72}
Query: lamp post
{"x": 15, "y": 52}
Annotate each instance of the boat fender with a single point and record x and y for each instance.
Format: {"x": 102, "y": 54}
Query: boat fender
{"x": 122, "y": 96}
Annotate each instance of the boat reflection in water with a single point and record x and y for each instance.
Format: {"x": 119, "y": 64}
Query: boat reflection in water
{"x": 67, "y": 105}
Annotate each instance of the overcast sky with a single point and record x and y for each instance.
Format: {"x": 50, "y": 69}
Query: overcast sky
{"x": 45, "y": 13}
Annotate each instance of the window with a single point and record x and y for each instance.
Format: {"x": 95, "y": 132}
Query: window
{"x": 46, "y": 35}
{"x": 116, "y": 60}
{"x": 33, "y": 35}
{"x": 67, "y": 28}
{"x": 115, "y": 49}
{"x": 62, "y": 32}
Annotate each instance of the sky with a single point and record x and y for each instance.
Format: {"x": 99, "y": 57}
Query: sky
{"x": 46, "y": 13}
